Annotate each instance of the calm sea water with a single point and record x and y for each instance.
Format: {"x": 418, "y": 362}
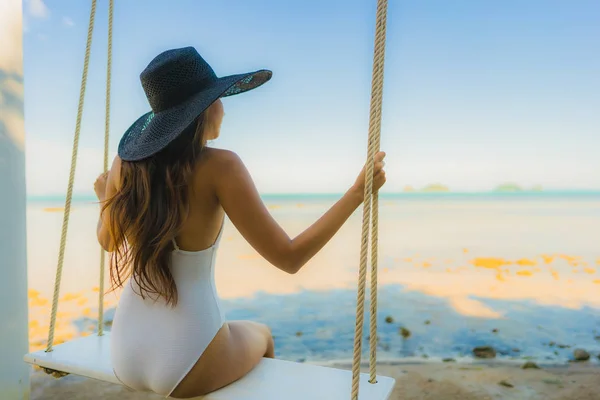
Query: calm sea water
{"x": 581, "y": 195}
{"x": 519, "y": 272}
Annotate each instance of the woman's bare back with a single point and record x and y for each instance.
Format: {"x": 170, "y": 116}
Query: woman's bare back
{"x": 203, "y": 223}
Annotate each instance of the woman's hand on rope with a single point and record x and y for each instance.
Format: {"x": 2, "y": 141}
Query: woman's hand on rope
{"x": 100, "y": 186}
{"x": 378, "y": 175}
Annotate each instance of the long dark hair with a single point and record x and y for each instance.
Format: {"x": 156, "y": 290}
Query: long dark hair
{"x": 147, "y": 213}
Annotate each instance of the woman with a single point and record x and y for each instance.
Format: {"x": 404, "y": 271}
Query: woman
{"x": 164, "y": 203}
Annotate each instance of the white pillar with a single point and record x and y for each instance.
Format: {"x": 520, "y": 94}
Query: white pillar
{"x": 14, "y": 373}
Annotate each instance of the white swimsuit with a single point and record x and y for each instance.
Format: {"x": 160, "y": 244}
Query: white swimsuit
{"x": 154, "y": 346}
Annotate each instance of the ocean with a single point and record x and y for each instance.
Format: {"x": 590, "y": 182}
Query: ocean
{"x": 516, "y": 271}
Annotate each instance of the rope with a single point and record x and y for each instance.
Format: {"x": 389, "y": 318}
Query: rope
{"x": 370, "y": 211}
{"x": 106, "y": 137}
{"x": 65, "y": 224}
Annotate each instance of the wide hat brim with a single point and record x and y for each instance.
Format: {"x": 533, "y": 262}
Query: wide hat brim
{"x": 152, "y": 132}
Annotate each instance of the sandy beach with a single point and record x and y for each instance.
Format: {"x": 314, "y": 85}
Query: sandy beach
{"x": 454, "y": 274}
{"x": 414, "y": 381}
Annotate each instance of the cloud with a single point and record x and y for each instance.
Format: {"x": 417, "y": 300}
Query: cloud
{"x": 68, "y": 22}
{"x": 37, "y": 8}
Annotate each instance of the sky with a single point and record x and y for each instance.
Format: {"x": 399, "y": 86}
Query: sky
{"x": 477, "y": 93}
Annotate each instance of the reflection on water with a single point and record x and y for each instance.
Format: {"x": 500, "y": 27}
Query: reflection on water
{"x": 520, "y": 275}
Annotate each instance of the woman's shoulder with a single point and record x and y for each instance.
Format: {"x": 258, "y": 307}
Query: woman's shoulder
{"x": 215, "y": 167}
{"x": 219, "y": 159}
{"x": 114, "y": 174}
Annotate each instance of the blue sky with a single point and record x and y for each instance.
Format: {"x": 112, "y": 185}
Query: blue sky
{"x": 476, "y": 92}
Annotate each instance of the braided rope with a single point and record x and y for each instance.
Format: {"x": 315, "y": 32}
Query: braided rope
{"x": 370, "y": 211}
{"x": 106, "y": 137}
{"x": 65, "y": 224}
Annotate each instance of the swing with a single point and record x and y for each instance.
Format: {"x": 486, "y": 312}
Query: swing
{"x": 90, "y": 356}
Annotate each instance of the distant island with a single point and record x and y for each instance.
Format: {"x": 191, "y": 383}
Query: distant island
{"x": 513, "y": 187}
{"x": 435, "y": 187}
{"x": 508, "y": 187}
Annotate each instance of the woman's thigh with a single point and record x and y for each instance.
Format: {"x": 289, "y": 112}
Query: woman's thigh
{"x": 236, "y": 349}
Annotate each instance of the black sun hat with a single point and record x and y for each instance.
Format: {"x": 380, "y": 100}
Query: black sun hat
{"x": 179, "y": 86}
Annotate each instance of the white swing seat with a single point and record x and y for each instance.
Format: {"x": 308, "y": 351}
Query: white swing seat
{"x": 272, "y": 379}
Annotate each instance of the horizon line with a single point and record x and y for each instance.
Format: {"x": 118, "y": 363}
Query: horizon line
{"x": 381, "y": 194}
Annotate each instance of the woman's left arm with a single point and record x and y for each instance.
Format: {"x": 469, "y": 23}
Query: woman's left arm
{"x": 110, "y": 189}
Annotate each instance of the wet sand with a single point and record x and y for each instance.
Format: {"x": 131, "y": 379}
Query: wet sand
{"x": 422, "y": 381}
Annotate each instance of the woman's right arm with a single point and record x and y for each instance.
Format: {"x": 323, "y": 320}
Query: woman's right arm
{"x": 240, "y": 200}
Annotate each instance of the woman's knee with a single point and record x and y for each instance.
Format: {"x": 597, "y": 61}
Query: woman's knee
{"x": 261, "y": 332}
{"x": 262, "y": 328}
{"x": 270, "y": 353}
{"x": 266, "y": 330}
{"x": 268, "y": 334}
